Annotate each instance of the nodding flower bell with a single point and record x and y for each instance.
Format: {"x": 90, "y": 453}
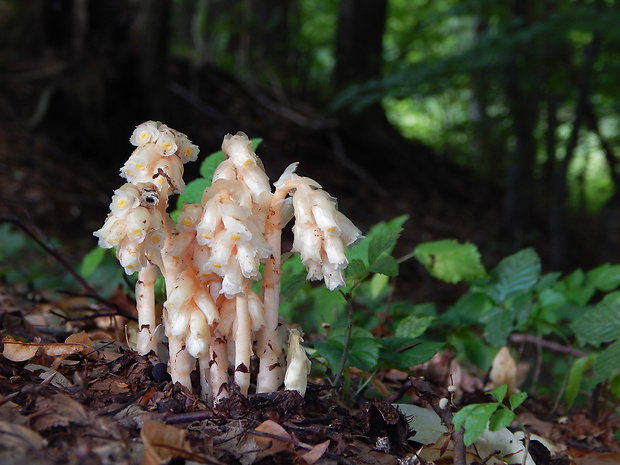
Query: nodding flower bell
{"x": 321, "y": 232}
{"x": 212, "y": 317}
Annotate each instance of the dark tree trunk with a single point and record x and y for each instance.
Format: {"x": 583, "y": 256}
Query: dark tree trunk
{"x": 154, "y": 56}
{"x": 359, "y": 42}
{"x": 522, "y": 97}
{"x": 557, "y": 214}
{"x": 359, "y": 59}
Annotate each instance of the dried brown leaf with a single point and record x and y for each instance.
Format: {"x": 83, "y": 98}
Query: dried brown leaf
{"x": 276, "y": 438}
{"x": 59, "y": 410}
{"x": 21, "y": 351}
{"x": 163, "y": 443}
{"x": 315, "y": 453}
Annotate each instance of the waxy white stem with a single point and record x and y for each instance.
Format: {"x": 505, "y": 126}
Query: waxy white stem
{"x": 145, "y": 304}
{"x": 218, "y": 366}
{"x": 243, "y": 341}
{"x": 180, "y": 363}
{"x": 270, "y": 342}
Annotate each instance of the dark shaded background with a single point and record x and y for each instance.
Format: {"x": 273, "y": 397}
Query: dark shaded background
{"x": 76, "y": 76}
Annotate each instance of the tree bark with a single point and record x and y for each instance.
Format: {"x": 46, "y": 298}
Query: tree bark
{"x": 557, "y": 213}
{"x": 522, "y": 97}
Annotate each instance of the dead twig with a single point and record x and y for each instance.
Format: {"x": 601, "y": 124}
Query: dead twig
{"x": 426, "y": 392}
{"x": 51, "y": 250}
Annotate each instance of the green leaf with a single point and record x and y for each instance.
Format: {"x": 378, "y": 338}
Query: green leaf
{"x": 383, "y": 237}
{"x": 500, "y": 324}
{"x": 291, "y": 284}
{"x": 499, "y": 392}
{"x": 403, "y": 352}
{"x": 378, "y": 283}
{"x": 605, "y": 277}
{"x": 516, "y": 274}
{"x": 598, "y": 324}
{"x": 208, "y": 166}
{"x": 193, "y": 192}
{"x": 517, "y": 399}
{"x": 356, "y": 271}
{"x": 363, "y": 349}
{"x": 575, "y": 375}
{"x": 386, "y": 265}
{"x": 450, "y": 261}
{"x": 608, "y": 361}
{"x": 476, "y": 418}
{"x": 501, "y": 419}
{"x": 576, "y": 288}
{"x": 91, "y": 261}
{"x": 413, "y": 326}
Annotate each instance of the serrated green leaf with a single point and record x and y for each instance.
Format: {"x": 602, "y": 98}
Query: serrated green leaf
{"x": 291, "y": 284}
{"x": 605, "y": 277}
{"x": 356, "y": 270}
{"x": 450, "y": 261}
{"x": 598, "y": 324}
{"x": 517, "y": 399}
{"x": 500, "y": 323}
{"x": 501, "y": 418}
{"x": 363, "y": 349}
{"x": 385, "y": 264}
{"x": 383, "y": 234}
{"x": 476, "y": 418}
{"x": 576, "y": 288}
{"x": 516, "y": 274}
{"x": 403, "y": 352}
{"x": 413, "y": 326}
{"x": 608, "y": 361}
{"x": 91, "y": 261}
{"x": 209, "y": 164}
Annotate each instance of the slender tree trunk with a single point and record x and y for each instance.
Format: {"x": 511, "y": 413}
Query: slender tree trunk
{"x": 523, "y": 97}
{"x": 557, "y": 214}
{"x": 359, "y": 42}
{"x": 154, "y": 56}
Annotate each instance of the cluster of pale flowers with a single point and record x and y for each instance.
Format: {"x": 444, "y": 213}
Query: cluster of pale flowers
{"x": 213, "y": 319}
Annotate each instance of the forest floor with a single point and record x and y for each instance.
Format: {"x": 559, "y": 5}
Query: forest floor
{"x": 65, "y": 399}
{"x": 82, "y": 402}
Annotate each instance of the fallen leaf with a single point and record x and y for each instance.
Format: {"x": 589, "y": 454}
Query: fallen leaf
{"x": 163, "y": 443}
{"x": 59, "y": 410}
{"x": 599, "y": 458}
{"x": 19, "y": 438}
{"x": 58, "y": 380}
{"x": 276, "y": 439}
{"x": 315, "y": 453}
{"x": 21, "y": 351}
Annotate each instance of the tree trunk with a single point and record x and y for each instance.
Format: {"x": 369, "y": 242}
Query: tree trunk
{"x": 154, "y": 56}
{"x": 557, "y": 214}
{"x": 522, "y": 97}
{"x": 359, "y": 42}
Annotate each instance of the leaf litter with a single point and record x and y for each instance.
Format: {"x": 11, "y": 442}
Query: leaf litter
{"x": 90, "y": 399}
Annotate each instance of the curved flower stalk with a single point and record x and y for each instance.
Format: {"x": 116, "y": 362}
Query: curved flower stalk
{"x": 212, "y": 317}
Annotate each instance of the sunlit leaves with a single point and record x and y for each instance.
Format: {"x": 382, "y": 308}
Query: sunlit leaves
{"x": 450, "y": 261}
